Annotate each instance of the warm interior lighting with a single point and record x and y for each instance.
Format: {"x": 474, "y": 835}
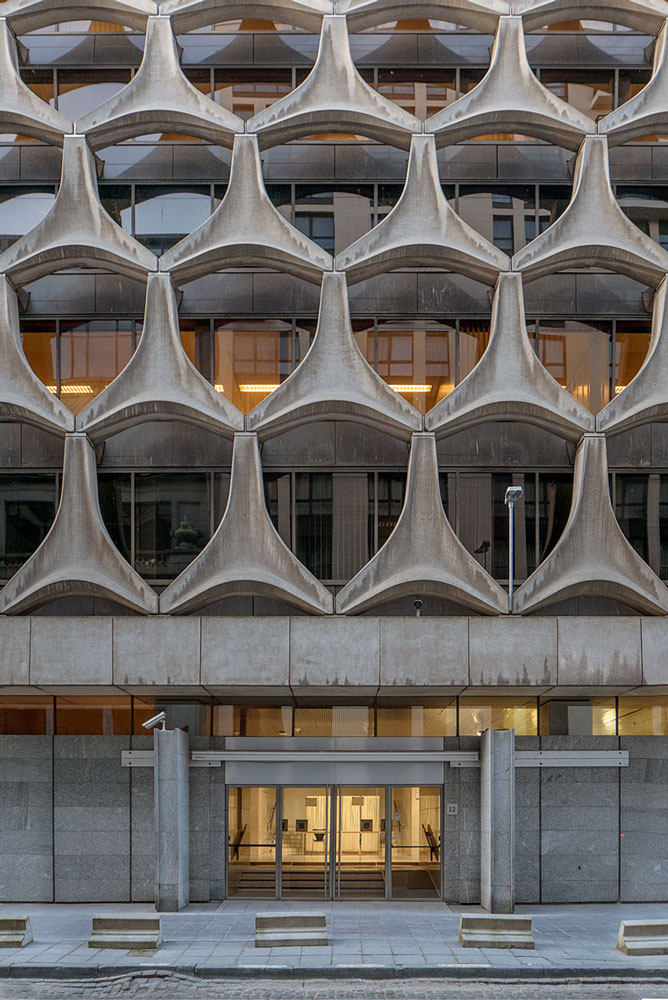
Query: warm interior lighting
{"x": 252, "y": 387}
{"x": 619, "y": 388}
{"x": 72, "y": 390}
{"x": 410, "y": 388}
{"x": 219, "y": 388}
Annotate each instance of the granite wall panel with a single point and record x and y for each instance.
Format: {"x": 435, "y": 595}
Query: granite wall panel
{"x": 91, "y": 819}
{"x": 26, "y": 819}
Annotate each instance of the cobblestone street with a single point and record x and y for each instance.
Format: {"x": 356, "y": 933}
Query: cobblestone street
{"x": 186, "y": 988}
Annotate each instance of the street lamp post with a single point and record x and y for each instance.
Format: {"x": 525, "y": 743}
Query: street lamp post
{"x": 513, "y": 494}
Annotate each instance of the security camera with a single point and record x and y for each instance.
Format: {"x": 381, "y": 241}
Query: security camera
{"x": 417, "y": 603}
{"x": 513, "y": 494}
{"x": 158, "y": 720}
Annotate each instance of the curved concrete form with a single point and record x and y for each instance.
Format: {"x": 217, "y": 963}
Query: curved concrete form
{"x": 76, "y": 232}
{"x": 480, "y": 14}
{"x": 643, "y": 15}
{"x": 423, "y": 555}
{"x": 77, "y": 557}
{"x": 159, "y": 382}
{"x": 334, "y": 98}
{"x": 422, "y": 230}
{"x": 21, "y": 111}
{"x": 246, "y": 554}
{"x": 592, "y": 558}
{"x": 29, "y": 15}
{"x": 159, "y": 98}
{"x": 593, "y": 230}
{"x": 509, "y": 382}
{"x": 645, "y": 398}
{"x": 187, "y": 15}
{"x": 22, "y": 395}
{"x": 510, "y": 98}
{"x": 647, "y": 112}
{"x": 245, "y": 230}
{"x": 334, "y": 380}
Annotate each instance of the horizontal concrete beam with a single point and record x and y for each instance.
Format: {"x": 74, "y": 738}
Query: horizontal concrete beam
{"x": 332, "y": 657}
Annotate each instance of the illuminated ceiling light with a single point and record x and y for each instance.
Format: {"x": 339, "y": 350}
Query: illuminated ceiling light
{"x": 73, "y": 390}
{"x": 253, "y": 387}
{"x": 410, "y": 388}
{"x": 619, "y": 388}
{"x": 219, "y": 388}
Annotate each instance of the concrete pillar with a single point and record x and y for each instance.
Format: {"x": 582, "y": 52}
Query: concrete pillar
{"x": 172, "y": 819}
{"x": 497, "y": 820}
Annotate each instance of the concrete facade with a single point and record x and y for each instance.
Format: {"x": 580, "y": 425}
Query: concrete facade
{"x": 276, "y": 334}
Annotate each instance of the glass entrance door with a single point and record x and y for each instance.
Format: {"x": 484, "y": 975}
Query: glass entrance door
{"x": 335, "y": 842}
{"x": 305, "y": 843}
{"x": 251, "y": 852}
{"x": 416, "y": 843}
{"x": 360, "y": 842}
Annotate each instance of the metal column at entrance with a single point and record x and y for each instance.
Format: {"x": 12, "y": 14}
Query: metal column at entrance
{"x": 335, "y": 841}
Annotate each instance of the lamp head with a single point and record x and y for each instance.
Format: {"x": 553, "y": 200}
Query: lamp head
{"x": 513, "y": 494}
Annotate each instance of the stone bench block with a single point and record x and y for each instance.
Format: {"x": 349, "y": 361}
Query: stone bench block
{"x": 643, "y": 937}
{"x": 15, "y": 932}
{"x": 290, "y": 930}
{"x": 495, "y": 931}
{"x": 126, "y": 932}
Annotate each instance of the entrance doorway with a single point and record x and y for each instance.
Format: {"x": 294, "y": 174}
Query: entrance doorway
{"x": 334, "y": 842}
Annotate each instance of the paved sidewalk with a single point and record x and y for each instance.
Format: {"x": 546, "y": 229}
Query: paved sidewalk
{"x": 368, "y": 940}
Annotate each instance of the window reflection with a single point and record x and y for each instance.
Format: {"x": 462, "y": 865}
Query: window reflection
{"x": 577, "y": 355}
{"x": 477, "y": 714}
{"x": 428, "y": 720}
{"x": 196, "y": 340}
{"x": 117, "y": 201}
{"x": 647, "y": 208}
{"x": 631, "y": 510}
{"x": 641, "y": 716}
{"x": 590, "y": 91}
{"x": 41, "y": 82}
{"x": 334, "y": 217}
{"x": 91, "y": 716}
{"x": 40, "y": 344}
{"x": 247, "y": 91}
{"x": 472, "y": 344}
{"x": 172, "y": 521}
{"x": 313, "y": 520}
{"x": 503, "y": 215}
{"x": 21, "y": 209}
{"x": 164, "y": 214}
{"x": 91, "y": 356}
{"x": 418, "y": 361}
{"x": 27, "y": 510}
{"x": 251, "y": 359}
{"x": 339, "y": 720}
{"x": 553, "y": 201}
{"x": 278, "y": 498}
{"x": 115, "y": 495}
{"x": 252, "y": 720}
{"x": 83, "y": 90}
{"x": 422, "y": 92}
{"x": 26, "y": 715}
{"x": 386, "y": 500}
{"x": 554, "y": 507}
{"x": 578, "y": 717}
{"x": 630, "y": 349}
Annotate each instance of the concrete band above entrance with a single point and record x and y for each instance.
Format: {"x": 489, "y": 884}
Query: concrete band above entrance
{"x": 360, "y": 657}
